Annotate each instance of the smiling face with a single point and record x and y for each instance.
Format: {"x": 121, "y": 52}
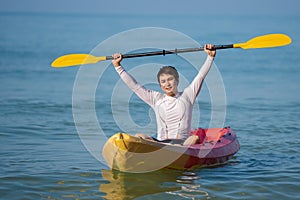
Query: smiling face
{"x": 168, "y": 84}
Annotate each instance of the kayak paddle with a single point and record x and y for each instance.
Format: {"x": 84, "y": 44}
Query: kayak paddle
{"x": 264, "y": 41}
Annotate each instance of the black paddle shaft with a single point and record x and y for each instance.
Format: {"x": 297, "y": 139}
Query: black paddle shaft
{"x": 175, "y": 51}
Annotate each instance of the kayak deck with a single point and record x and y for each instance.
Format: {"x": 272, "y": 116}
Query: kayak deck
{"x": 127, "y": 153}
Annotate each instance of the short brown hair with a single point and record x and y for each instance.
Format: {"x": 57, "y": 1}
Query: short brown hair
{"x": 168, "y": 70}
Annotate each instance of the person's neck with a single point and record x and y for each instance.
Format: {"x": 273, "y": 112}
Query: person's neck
{"x": 172, "y": 95}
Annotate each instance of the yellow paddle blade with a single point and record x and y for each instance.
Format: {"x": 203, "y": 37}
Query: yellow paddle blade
{"x": 76, "y": 59}
{"x": 265, "y": 41}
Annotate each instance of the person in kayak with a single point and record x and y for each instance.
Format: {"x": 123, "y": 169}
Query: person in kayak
{"x": 173, "y": 109}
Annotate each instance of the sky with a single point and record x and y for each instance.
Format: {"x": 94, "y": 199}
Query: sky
{"x": 153, "y": 6}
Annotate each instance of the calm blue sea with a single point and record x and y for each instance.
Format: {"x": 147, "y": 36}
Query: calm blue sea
{"x": 42, "y": 156}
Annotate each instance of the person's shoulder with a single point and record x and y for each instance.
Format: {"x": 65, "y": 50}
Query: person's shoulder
{"x": 186, "y": 94}
{"x": 157, "y": 94}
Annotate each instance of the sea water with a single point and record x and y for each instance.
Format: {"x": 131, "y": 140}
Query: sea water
{"x": 43, "y": 156}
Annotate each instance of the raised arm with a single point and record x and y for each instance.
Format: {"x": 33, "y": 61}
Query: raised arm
{"x": 194, "y": 88}
{"x": 148, "y": 96}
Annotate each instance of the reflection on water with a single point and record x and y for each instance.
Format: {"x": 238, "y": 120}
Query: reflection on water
{"x": 161, "y": 184}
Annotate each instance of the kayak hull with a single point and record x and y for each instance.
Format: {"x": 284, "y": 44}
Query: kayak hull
{"x": 127, "y": 153}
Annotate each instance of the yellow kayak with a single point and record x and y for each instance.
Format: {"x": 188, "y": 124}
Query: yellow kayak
{"x": 127, "y": 153}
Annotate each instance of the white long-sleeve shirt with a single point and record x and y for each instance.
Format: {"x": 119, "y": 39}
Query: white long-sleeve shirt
{"x": 173, "y": 114}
